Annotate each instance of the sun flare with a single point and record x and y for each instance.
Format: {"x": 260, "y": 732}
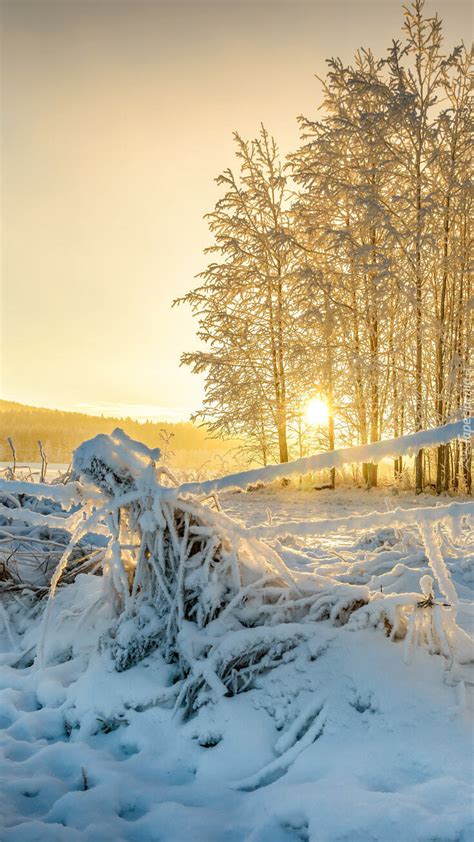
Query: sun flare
{"x": 317, "y": 412}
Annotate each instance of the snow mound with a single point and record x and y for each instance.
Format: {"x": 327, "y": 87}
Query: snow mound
{"x": 112, "y": 462}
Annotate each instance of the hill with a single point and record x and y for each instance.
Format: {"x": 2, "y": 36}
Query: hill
{"x": 61, "y": 432}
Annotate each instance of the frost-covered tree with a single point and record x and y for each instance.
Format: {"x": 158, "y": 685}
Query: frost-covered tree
{"x": 451, "y": 183}
{"x": 416, "y": 70}
{"x": 343, "y": 169}
{"x": 382, "y": 182}
{"x": 356, "y": 284}
{"x": 244, "y": 303}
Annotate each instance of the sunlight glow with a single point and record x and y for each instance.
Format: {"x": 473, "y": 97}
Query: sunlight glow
{"x": 317, "y": 412}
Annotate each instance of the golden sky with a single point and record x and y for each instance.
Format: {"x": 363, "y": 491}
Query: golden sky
{"x": 116, "y": 117}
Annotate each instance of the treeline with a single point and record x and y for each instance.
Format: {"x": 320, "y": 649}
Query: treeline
{"x": 344, "y": 269}
{"x": 61, "y": 432}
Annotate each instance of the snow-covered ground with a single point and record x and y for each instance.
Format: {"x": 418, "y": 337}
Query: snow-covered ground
{"x": 346, "y": 742}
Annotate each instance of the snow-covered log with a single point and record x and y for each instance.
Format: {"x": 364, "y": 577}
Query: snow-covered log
{"x": 408, "y": 445}
{"x": 397, "y": 519}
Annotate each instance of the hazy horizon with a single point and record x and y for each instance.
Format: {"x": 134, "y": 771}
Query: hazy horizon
{"x": 137, "y": 412}
{"x": 117, "y": 116}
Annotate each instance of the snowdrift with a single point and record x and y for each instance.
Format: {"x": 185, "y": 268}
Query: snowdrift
{"x": 220, "y": 668}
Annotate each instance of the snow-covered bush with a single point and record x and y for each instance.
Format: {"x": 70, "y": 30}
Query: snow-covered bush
{"x": 185, "y": 579}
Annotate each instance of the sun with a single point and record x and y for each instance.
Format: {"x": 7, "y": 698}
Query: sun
{"x": 317, "y": 412}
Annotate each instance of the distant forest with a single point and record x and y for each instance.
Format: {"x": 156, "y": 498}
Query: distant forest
{"x": 60, "y": 432}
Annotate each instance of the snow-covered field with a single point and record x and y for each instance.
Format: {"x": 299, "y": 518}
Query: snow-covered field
{"x": 347, "y": 741}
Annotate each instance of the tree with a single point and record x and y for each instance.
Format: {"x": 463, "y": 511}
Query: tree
{"x": 244, "y": 304}
{"x": 344, "y": 171}
{"x": 356, "y": 284}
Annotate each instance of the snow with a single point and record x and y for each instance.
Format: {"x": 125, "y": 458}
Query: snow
{"x": 344, "y": 740}
{"x": 122, "y": 459}
{"x": 73, "y": 492}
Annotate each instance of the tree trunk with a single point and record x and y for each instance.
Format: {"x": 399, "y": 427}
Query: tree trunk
{"x": 466, "y": 466}
{"x": 282, "y": 422}
{"x": 419, "y": 331}
{"x": 359, "y": 383}
{"x": 277, "y": 368}
{"x": 330, "y": 391}
{"x": 440, "y": 400}
{"x": 374, "y": 368}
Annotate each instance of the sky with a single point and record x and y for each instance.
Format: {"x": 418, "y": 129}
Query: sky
{"x": 117, "y": 115}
